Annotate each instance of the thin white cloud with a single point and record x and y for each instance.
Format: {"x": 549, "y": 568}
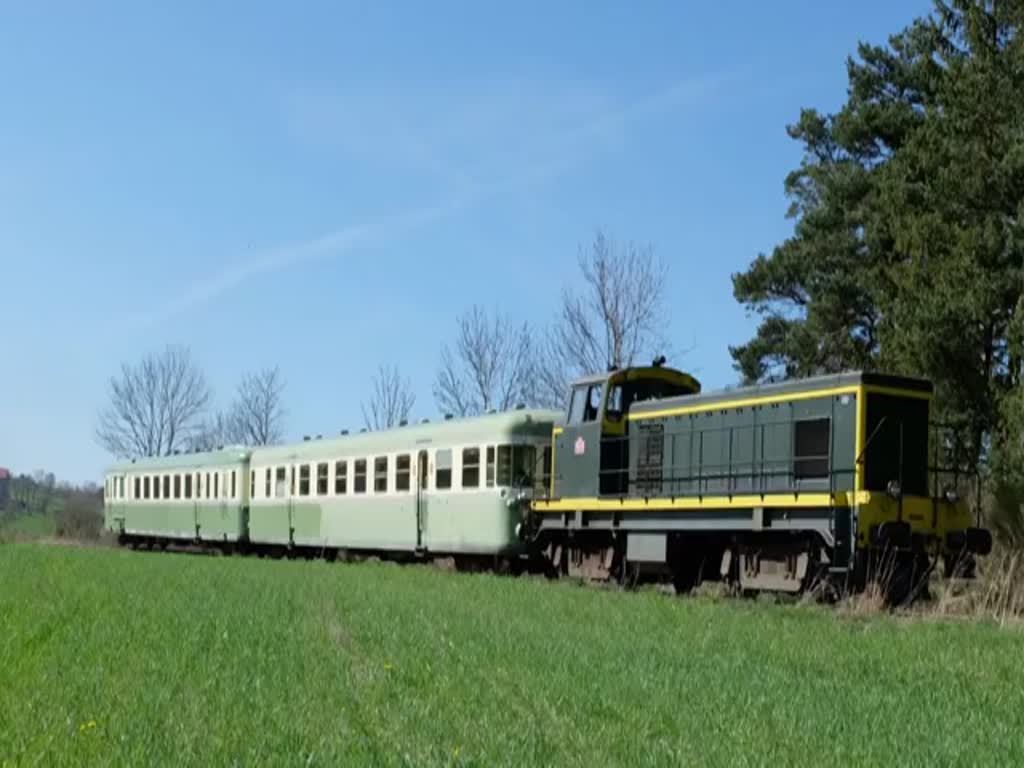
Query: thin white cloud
{"x": 534, "y": 160}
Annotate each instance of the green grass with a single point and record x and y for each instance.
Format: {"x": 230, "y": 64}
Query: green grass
{"x": 115, "y": 657}
{"x": 31, "y": 525}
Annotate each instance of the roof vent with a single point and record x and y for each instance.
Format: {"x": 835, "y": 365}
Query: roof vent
{"x": 491, "y": 411}
{"x": 403, "y": 423}
{"x": 520, "y": 406}
{"x": 344, "y": 431}
{"x": 305, "y": 438}
{"x": 220, "y": 447}
{"x": 448, "y": 417}
{"x": 424, "y": 421}
{"x": 362, "y": 431}
{"x": 319, "y": 437}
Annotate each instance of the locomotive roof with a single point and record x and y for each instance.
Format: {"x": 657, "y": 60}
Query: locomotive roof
{"x": 637, "y": 372}
{"x": 792, "y": 386}
{"x": 489, "y": 427}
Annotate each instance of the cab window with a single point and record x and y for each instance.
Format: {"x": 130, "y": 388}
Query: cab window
{"x": 593, "y": 404}
{"x": 579, "y": 399}
{"x": 614, "y": 408}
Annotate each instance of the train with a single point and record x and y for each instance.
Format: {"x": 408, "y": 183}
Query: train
{"x": 824, "y": 481}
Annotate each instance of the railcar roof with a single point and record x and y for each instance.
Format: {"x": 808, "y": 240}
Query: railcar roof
{"x": 226, "y": 456}
{"x": 488, "y": 428}
{"x": 792, "y": 386}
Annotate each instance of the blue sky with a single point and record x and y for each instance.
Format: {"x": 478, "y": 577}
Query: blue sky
{"x": 325, "y": 186}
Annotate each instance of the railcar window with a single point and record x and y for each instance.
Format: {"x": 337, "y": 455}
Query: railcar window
{"x": 291, "y": 480}
{"x": 810, "y": 449}
{"x": 490, "y": 466}
{"x": 145, "y": 487}
{"x": 156, "y": 487}
{"x": 267, "y": 487}
{"x": 403, "y": 465}
{"x": 177, "y": 486}
{"x": 380, "y": 474}
{"x": 167, "y": 486}
{"x": 188, "y": 486}
{"x": 321, "y": 478}
{"x": 137, "y": 483}
{"x": 216, "y": 485}
{"x": 360, "y": 476}
{"x": 234, "y": 484}
{"x": 304, "y": 480}
{"x": 281, "y": 483}
{"x": 443, "y": 469}
{"x": 340, "y": 477}
{"x": 470, "y": 467}
{"x": 504, "y": 465}
{"x": 252, "y": 483}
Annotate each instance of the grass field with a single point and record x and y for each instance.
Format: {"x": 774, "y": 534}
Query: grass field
{"x": 34, "y": 525}
{"x": 116, "y": 657}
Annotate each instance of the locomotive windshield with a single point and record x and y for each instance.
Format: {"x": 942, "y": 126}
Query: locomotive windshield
{"x": 897, "y": 443}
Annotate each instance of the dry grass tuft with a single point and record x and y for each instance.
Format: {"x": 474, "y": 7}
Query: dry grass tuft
{"x": 995, "y": 594}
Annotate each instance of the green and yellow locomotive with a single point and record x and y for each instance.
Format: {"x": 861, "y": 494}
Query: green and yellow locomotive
{"x": 770, "y": 487}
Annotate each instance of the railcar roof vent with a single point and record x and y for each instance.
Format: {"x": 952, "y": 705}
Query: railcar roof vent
{"x": 424, "y": 421}
{"x": 362, "y": 431}
{"x": 305, "y": 438}
{"x": 658, "y": 361}
{"x": 403, "y": 423}
{"x": 344, "y": 431}
{"x": 520, "y": 406}
{"x": 319, "y": 437}
{"x": 448, "y": 417}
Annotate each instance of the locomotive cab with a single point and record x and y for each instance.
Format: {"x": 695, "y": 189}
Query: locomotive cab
{"x": 591, "y": 449}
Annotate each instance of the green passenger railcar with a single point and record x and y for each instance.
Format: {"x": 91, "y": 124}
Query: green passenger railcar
{"x": 457, "y": 486}
{"x": 445, "y": 487}
{"x": 186, "y": 497}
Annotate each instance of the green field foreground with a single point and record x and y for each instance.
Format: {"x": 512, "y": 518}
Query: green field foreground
{"x": 117, "y": 657}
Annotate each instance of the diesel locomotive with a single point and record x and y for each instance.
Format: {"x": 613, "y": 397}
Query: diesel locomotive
{"x": 771, "y": 487}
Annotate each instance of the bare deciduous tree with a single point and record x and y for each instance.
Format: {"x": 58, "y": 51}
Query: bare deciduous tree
{"x": 155, "y": 406}
{"x": 490, "y": 366}
{"x": 391, "y": 401}
{"x": 214, "y": 432}
{"x": 612, "y": 320}
{"x": 257, "y": 416}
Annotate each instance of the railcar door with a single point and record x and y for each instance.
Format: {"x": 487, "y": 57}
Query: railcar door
{"x": 422, "y": 477}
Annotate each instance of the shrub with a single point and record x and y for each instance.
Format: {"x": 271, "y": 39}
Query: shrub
{"x": 81, "y": 516}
